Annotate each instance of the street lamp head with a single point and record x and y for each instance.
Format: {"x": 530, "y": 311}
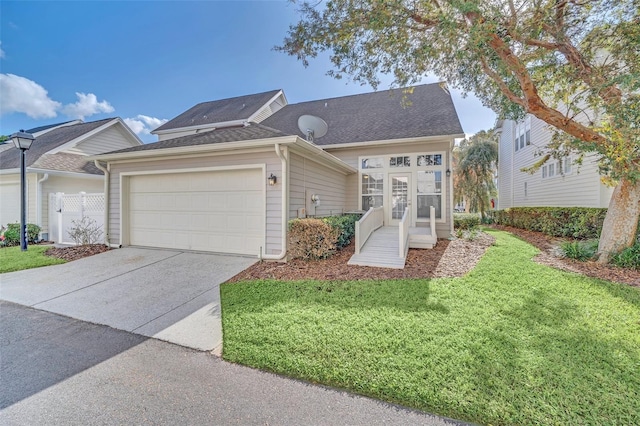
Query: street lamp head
{"x": 22, "y": 140}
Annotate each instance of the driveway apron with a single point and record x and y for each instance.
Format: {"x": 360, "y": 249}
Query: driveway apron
{"x": 165, "y": 294}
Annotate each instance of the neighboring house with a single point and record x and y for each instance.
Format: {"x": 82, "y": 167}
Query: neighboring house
{"x": 58, "y": 162}
{"x": 211, "y": 190}
{"x": 556, "y": 184}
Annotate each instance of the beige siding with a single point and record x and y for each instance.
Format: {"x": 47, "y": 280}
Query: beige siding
{"x": 273, "y": 193}
{"x": 110, "y": 139}
{"x": 505, "y": 164}
{"x": 581, "y": 187}
{"x": 67, "y": 185}
{"x": 351, "y": 157}
{"x": 309, "y": 177}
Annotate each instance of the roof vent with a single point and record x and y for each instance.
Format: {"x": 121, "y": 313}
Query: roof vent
{"x": 313, "y": 127}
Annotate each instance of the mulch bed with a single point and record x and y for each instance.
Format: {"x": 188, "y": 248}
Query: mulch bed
{"x": 76, "y": 252}
{"x": 548, "y": 245}
{"x": 446, "y": 259}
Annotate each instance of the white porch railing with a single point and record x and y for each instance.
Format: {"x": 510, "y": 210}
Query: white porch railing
{"x": 372, "y": 220}
{"x": 404, "y": 232}
{"x": 432, "y": 221}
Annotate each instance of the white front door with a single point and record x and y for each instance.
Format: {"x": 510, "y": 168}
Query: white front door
{"x": 399, "y": 196}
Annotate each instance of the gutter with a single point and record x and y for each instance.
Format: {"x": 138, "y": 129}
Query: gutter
{"x": 285, "y": 208}
{"x": 107, "y": 174}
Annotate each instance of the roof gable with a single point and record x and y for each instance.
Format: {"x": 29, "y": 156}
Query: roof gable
{"x": 220, "y": 111}
{"x": 49, "y": 141}
{"x": 423, "y": 111}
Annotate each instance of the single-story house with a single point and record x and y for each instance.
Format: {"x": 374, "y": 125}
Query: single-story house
{"x": 58, "y": 162}
{"x": 230, "y": 184}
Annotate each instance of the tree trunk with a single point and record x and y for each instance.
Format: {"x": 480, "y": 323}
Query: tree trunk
{"x": 621, "y": 222}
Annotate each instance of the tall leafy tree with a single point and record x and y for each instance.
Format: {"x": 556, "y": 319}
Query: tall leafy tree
{"x": 574, "y": 64}
{"x": 474, "y": 172}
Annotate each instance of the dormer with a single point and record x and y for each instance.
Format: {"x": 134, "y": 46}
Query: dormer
{"x": 231, "y": 112}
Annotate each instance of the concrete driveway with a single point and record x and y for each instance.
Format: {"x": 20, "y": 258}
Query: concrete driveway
{"x": 165, "y": 294}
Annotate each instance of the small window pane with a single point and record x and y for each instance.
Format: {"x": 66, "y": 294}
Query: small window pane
{"x": 567, "y": 165}
{"x": 430, "y": 160}
{"x": 552, "y": 169}
{"x": 516, "y": 144}
{"x": 429, "y": 182}
{"x": 522, "y": 141}
{"x": 370, "y": 201}
{"x": 372, "y": 163}
{"x": 528, "y": 137}
{"x": 544, "y": 172}
{"x": 400, "y": 162}
{"x": 424, "y": 204}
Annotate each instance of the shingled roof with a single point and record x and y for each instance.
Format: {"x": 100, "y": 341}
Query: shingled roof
{"x": 10, "y": 158}
{"x": 427, "y": 110}
{"x": 220, "y": 111}
{"x": 251, "y": 131}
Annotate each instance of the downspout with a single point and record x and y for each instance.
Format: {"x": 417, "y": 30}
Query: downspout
{"x": 107, "y": 174}
{"x": 285, "y": 208}
{"x": 39, "y": 200}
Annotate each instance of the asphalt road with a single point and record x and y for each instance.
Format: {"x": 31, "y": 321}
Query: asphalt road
{"x": 57, "y": 370}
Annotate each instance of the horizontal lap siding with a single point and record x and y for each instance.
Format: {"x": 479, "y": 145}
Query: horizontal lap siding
{"x": 581, "y": 187}
{"x": 273, "y": 193}
{"x": 110, "y": 139}
{"x": 309, "y": 177}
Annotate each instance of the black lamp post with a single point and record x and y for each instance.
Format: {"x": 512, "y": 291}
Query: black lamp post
{"x": 23, "y": 141}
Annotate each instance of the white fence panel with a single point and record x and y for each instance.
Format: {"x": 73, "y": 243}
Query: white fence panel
{"x": 65, "y": 208}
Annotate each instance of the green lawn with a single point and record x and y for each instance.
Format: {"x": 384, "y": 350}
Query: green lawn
{"x": 12, "y": 259}
{"x": 513, "y": 342}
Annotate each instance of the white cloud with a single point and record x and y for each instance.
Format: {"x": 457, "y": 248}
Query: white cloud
{"x": 1, "y": 51}
{"x": 20, "y": 94}
{"x": 143, "y": 124}
{"x": 87, "y": 105}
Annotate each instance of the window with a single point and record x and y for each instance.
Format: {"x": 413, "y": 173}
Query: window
{"x": 527, "y": 130}
{"x": 544, "y": 172}
{"x": 372, "y": 190}
{"x": 430, "y": 160}
{"x": 523, "y": 134}
{"x": 372, "y": 163}
{"x": 404, "y": 161}
{"x": 552, "y": 169}
{"x": 525, "y": 189}
{"x": 567, "y": 165}
{"x": 429, "y": 193}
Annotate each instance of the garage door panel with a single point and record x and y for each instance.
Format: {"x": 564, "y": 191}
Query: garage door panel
{"x": 222, "y": 211}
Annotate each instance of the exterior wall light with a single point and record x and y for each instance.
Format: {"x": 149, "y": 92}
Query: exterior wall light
{"x": 448, "y": 173}
{"x": 23, "y": 141}
{"x": 272, "y": 179}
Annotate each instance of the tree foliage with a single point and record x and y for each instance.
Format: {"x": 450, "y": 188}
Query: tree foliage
{"x": 574, "y": 64}
{"x": 474, "y": 171}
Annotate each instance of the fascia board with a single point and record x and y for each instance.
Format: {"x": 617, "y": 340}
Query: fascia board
{"x": 213, "y": 147}
{"x": 63, "y": 173}
{"x": 273, "y": 98}
{"x": 218, "y": 125}
{"x": 83, "y": 137}
{"x": 318, "y": 154}
{"x": 441, "y": 138}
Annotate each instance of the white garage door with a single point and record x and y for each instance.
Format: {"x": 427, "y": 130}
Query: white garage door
{"x": 9, "y": 203}
{"x": 221, "y": 211}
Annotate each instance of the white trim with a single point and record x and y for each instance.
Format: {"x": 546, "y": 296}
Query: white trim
{"x": 125, "y": 193}
{"x": 268, "y": 103}
{"x": 265, "y": 149}
{"x": 51, "y": 172}
{"x": 45, "y": 131}
{"x": 211, "y": 126}
{"x": 440, "y": 138}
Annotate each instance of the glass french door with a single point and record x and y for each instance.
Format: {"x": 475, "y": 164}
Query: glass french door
{"x": 399, "y": 196}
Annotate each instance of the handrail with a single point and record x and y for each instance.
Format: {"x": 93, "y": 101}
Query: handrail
{"x": 372, "y": 220}
{"x": 404, "y": 232}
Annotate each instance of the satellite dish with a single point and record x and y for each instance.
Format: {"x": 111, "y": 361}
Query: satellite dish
{"x": 312, "y": 126}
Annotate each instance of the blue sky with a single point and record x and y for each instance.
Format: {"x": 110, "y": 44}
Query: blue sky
{"x": 149, "y": 61}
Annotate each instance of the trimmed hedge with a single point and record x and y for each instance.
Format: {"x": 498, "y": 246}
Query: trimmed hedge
{"x": 346, "y": 225}
{"x": 465, "y": 221}
{"x": 311, "y": 239}
{"x": 575, "y": 222}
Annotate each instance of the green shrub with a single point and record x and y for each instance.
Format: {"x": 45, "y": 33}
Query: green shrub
{"x": 311, "y": 239}
{"x": 12, "y": 234}
{"x": 346, "y": 225}
{"x": 574, "y": 222}
{"x": 579, "y": 250}
{"x": 465, "y": 220}
{"x": 629, "y": 257}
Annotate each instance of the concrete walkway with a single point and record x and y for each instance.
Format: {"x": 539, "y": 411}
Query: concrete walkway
{"x": 165, "y": 294}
